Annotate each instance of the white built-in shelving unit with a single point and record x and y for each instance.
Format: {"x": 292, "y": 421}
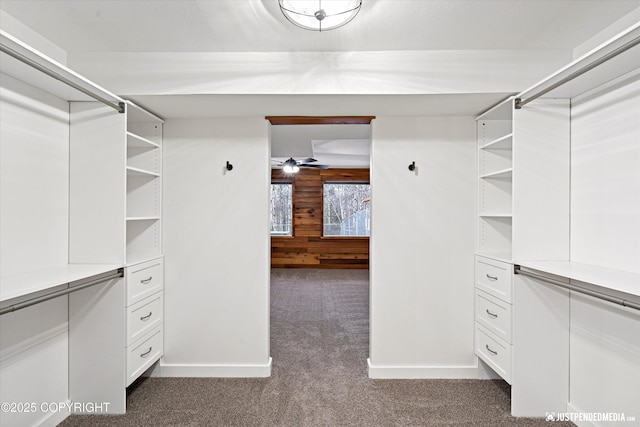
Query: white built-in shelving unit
{"x": 62, "y": 239}
{"x": 495, "y": 178}
{"x": 80, "y": 201}
{"x": 145, "y": 287}
{"x": 144, "y": 185}
{"x": 574, "y": 236}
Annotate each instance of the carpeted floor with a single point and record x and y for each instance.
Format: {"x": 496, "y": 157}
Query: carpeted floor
{"x": 319, "y": 344}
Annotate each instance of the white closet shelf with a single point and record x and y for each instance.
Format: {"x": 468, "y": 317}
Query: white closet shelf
{"x": 504, "y": 173}
{"x": 502, "y": 143}
{"x": 606, "y": 278}
{"x": 134, "y": 140}
{"x": 139, "y": 259}
{"x": 140, "y": 172}
{"x": 143, "y": 218}
{"x": 29, "y": 284}
{"x": 498, "y": 256}
{"x": 494, "y": 215}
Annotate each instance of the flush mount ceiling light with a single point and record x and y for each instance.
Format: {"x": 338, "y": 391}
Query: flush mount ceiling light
{"x": 318, "y": 15}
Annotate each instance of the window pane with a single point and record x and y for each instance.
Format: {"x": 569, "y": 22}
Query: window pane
{"x": 281, "y": 209}
{"x": 346, "y": 209}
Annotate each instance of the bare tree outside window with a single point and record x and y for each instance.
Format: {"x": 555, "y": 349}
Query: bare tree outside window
{"x": 346, "y": 209}
{"x": 281, "y": 208}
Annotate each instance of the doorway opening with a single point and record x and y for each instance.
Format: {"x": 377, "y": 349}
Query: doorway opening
{"x": 320, "y": 239}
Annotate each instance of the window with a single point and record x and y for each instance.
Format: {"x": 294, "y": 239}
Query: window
{"x": 346, "y": 209}
{"x": 281, "y": 208}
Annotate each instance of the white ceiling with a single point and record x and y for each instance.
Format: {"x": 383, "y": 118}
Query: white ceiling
{"x": 259, "y": 26}
{"x": 83, "y": 27}
{"x": 334, "y": 145}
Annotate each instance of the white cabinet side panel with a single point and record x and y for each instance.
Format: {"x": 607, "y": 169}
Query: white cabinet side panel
{"x": 605, "y": 175}
{"x": 216, "y": 240}
{"x": 540, "y": 364}
{"x": 97, "y": 184}
{"x": 97, "y": 338}
{"x": 34, "y": 178}
{"x": 34, "y": 362}
{"x": 422, "y": 249}
{"x": 541, "y": 181}
{"x": 605, "y": 358}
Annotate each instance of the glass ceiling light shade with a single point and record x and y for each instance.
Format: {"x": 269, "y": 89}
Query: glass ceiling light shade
{"x": 319, "y": 15}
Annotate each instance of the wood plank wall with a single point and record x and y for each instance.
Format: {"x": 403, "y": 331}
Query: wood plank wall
{"x": 307, "y": 248}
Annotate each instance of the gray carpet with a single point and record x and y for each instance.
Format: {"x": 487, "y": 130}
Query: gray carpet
{"x": 319, "y": 344}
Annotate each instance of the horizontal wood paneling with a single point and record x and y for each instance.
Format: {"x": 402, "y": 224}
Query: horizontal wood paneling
{"x": 307, "y": 248}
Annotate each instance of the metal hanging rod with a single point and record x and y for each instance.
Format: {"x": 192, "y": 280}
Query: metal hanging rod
{"x": 56, "y": 294}
{"x": 519, "y": 102}
{"x": 518, "y": 270}
{"x": 118, "y": 106}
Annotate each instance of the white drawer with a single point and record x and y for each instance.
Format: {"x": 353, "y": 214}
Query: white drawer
{"x": 143, "y": 280}
{"x": 144, "y": 316}
{"x": 494, "y": 351}
{"x": 142, "y": 354}
{"x": 494, "y": 277}
{"x": 494, "y": 314}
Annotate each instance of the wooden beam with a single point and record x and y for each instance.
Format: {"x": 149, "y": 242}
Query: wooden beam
{"x": 320, "y": 120}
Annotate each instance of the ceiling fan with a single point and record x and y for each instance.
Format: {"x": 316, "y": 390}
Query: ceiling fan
{"x": 292, "y": 165}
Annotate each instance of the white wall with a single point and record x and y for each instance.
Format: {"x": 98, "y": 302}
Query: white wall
{"x": 605, "y": 231}
{"x": 34, "y": 203}
{"x": 605, "y": 175}
{"x": 604, "y": 366}
{"x": 422, "y": 247}
{"x": 216, "y": 246}
{"x": 34, "y": 167}
{"x": 304, "y": 73}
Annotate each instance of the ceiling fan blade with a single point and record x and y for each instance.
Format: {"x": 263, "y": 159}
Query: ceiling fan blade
{"x": 307, "y": 160}
{"x": 315, "y": 166}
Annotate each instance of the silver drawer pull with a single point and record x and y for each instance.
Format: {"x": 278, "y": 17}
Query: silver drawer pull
{"x": 492, "y": 277}
{"x": 146, "y": 353}
{"x": 147, "y": 316}
{"x": 488, "y": 312}
{"x": 145, "y": 281}
{"x": 486, "y": 346}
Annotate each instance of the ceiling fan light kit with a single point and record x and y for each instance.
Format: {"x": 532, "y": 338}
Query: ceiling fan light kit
{"x": 318, "y": 15}
{"x": 292, "y": 165}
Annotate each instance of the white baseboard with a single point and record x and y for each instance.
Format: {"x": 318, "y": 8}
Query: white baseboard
{"x": 422, "y": 372}
{"x": 214, "y": 371}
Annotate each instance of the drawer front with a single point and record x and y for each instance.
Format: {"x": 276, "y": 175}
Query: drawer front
{"x": 494, "y": 351}
{"x": 494, "y": 277}
{"x": 143, "y": 354}
{"x": 144, "y": 316}
{"x": 494, "y": 314}
{"x": 144, "y": 280}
